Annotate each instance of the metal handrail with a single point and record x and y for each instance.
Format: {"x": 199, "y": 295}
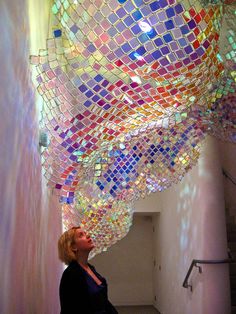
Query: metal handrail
{"x": 198, "y": 261}
{"x": 228, "y": 176}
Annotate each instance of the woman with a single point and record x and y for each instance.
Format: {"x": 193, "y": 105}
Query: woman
{"x": 82, "y": 289}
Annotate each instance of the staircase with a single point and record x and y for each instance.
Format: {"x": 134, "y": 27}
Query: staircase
{"x": 231, "y": 235}
{"x": 148, "y": 309}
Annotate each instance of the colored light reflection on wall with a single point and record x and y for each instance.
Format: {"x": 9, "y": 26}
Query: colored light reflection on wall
{"x": 130, "y": 90}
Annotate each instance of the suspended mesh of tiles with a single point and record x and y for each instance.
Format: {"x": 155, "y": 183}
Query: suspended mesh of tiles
{"x": 145, "y": 163}
{"x": 107, "y": 221}
{"x": 219, "y": 115}
{"x": 130, "y": 88}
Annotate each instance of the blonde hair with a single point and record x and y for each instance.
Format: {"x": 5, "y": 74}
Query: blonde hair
{"x": 65, "y": 252}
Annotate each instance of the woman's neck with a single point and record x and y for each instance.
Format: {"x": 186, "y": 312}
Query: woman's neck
{"x": 82, "y": 259}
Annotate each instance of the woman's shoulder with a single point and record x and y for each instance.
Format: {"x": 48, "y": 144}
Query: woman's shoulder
{"x": 73, "y": 274}
{"x": 73, "y": 282}
{"x": 72, "y": 269}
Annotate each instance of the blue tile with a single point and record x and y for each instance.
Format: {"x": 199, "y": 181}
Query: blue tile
{"x": 98, "y": 78}
{"x": 191, "y": 24}
{"x": 136, "y": 29}
{"x": 57, "y": 33}
{"x": 169, "y": 24}
{"x": 128, "y": 21}
{"x": 170, "y": 12}
{"x": 167, "y": 38}
{"x": 155, "y": 5}
{"x": 184, "y": 29}
{"x": 158, "y": 42}
{"x": 137, "y": 15}
{"x": 89, "y": 94}
{"x": 91, "y": 48}
{"x": 152, "y": 34}
{"x": 121, "y": 12}
{"x": 165, "y": 50}
{"x": 83, "y": 88}
{"x": 88, "y": 103}
{"x": 178, "y": 8}
{"x": 141, "y": 51}
{"x": 126, "y": 47}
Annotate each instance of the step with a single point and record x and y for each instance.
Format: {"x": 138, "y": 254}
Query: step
{"x": 144, "y": 309}
{"x": 231, "y": 236}
{"x": 233, "y": 282}
{"x": 232, "y": 254}
{"x": 232, "y": 269}
{"x": 232, "y": 246}
{"x": 233, "y": 297}
{"x": 233, "y": 309}
{"x": 231, "y": 227}
{"x": 230, "y": 219}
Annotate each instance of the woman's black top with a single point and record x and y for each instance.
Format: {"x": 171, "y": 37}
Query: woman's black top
{"x": 80, "y": 294}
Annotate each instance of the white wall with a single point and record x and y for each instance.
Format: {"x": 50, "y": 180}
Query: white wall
{"x": 150, "y": 204}
{"x": 30, "y": 218}
{"x": 128, "y": 265}
{"x": 192, "y": 226}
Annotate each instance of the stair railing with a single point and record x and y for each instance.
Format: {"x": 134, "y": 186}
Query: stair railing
{"x": 228, "y": 176}
{"x": 195, "y": 263}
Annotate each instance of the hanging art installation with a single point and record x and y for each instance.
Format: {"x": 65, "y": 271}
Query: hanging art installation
{"x": 130, "y": 90}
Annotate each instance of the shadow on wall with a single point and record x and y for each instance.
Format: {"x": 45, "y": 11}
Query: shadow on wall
{"x": 30, "y": 222}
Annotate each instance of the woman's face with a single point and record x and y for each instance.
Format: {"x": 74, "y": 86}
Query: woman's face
{"x": 82, "y": 241}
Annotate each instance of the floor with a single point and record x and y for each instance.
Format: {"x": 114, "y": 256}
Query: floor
{"x": 136, "y": 310}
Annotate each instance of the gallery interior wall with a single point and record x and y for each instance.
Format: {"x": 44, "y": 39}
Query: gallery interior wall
{"x": 30, "y": 218}
{"x": 191, "y": 223}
